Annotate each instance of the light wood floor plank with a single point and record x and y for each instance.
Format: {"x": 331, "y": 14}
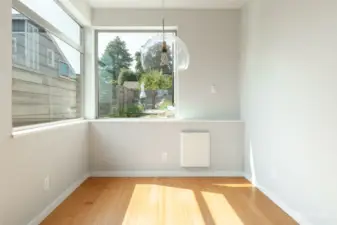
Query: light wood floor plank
{"x": 167, "y": 201}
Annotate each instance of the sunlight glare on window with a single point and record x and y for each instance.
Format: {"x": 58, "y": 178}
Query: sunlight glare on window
{"x": 54, "y": 14}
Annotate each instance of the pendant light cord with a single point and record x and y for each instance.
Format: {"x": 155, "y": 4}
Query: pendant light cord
{"x": 163, "y": 20}
{"x": 163, "y": 29}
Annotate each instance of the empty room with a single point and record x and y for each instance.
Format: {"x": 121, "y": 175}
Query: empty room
{"x": 168, "y": 112}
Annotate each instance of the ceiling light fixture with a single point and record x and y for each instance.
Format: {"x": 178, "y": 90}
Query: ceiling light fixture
{"x": 171, "y": 46}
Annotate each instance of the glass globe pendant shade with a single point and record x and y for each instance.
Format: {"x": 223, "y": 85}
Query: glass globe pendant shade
{"x": 175, "y": 53}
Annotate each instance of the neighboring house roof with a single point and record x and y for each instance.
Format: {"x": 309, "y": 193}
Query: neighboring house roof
{"x": 61, "y": 53}
{"x": 64, "y": 58}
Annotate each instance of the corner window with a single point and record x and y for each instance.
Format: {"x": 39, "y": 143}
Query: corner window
{"x": 126, "y": 89}
{"x": 50, "y": 58}
{"x": 39, "y": 93}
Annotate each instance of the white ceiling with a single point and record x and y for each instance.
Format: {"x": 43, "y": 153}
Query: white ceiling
{"x": 170, "y": 4}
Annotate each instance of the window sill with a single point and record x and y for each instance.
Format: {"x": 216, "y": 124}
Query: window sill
{"x": 161, "y": 120}
{"x": 27, "y": 130}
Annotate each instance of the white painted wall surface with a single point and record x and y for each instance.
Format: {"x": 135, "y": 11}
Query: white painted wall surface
{"x": 213, "y": 38}
{"x": 25, "y": 161}
{"x": 289, "y": 80}
{"x": 79, "y": 9}
{"x": 127, "y": 146}
{"x": 82, "y": 7}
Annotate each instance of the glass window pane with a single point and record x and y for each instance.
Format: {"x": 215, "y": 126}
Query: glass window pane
{"x": 54, "y": 14}
{"x": 46, "y": 75}
{"x": 126, "y": 89}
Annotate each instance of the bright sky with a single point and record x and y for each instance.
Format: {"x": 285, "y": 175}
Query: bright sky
{"x": 54, "y": 14}
{"x": 134, "y": 41}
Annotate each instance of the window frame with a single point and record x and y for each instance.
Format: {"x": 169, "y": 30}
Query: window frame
{"x": 36, "y": 18}
{"x": 59, "y": 72}
{"x": 52, "y": 62}
{"x": 32, "y": 38}
{"x": 15, "y": 49}
{"x": 26, "y": 11}
{"x": 132, "y": 30}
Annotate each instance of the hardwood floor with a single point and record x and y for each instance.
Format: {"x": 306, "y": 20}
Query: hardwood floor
{"x": 167, "y": 201}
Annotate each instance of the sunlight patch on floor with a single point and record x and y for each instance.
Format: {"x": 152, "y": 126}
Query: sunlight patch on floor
{"x": 235, "y": 185}
{"x": 162, "y": 205}
{"x": 222, "y": 212}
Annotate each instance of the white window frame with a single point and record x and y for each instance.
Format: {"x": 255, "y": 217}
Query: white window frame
{"x": 14, "y": 48}
{"x": 140, "y": 30}
{"x": 14, "y": 45}
{"x": 25, "y": 10}
{"x": 41, "y": 22}
{"x": 32, "y": 46}
{"x": 50, "y": 61}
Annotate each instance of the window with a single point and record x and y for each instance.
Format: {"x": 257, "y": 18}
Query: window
{"x": 14, "y": 46}
{"x": 32, "y": 45}
{"x": 125, "y": 88}
{"x": 39, "y": 93}
{"x": 14, "y": 49}
{"x": 64, "y": 69}
{"x": 50, "y": 11}
{"x": 50, "y": 58}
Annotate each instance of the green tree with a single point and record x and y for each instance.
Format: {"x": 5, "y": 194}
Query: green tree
{"x": 152, "y": 58}
{"x": 126, "y": 75}
{"x": 116, "y": 57}
{"x": 138, "y": 67}
{"x": 154, "y": 80}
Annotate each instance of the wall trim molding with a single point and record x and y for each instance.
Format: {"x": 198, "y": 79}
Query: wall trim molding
{"x": 169, "y": 173}
{"x": 51, "y": 207}
{"x": 273, "y": 197}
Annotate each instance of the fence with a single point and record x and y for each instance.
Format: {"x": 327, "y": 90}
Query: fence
{"x": 115, "y": 99}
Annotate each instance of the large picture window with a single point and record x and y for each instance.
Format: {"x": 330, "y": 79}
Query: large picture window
{"x": 126, "y": 89}
{"x": 46, "y": 70}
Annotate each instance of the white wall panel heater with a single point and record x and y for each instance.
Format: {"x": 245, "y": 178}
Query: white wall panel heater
{"x": 195, "y": 149}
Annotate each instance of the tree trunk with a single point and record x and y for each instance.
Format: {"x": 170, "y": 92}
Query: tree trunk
{"x": 154, "y": 95}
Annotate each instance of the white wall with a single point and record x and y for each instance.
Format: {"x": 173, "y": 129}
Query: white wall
{"x": 25, "y": 161}
{"x": 289, "y": 104}
{"x": 212, "y": 37}
{"x": 80, "y": 9}
{"x": 83, "y": 7}
{"x": 128, "y": 146}
{"x": 131, "y": 145}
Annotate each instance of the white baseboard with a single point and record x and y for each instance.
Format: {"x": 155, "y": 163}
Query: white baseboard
{"x": 38, "y": 219}
{"x": 273, "y": 197}
{"x": 249, "y": 178}
{"x": 292, "y": 213}
{"x": 153, "y": 173}
{"x": 50, "y": 208}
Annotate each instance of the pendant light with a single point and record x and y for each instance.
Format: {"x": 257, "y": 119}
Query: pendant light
{"x": 171, "y": 47}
